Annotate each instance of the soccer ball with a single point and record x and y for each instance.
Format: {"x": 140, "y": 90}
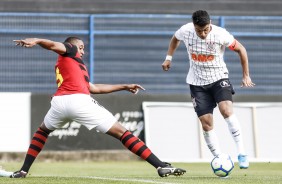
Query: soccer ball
{"x": 222, "y": 165}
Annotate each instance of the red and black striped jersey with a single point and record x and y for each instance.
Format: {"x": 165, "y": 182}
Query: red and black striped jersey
{"x": 71, "y": 73}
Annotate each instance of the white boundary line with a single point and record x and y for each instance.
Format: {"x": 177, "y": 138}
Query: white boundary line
{"x": 111, "y": 179}
{"x": 126, "y": 179}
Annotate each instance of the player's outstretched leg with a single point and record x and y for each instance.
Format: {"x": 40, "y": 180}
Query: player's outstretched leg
{"x": 36, "y": 145}
{"x": 236, "y": 132}
{"x": 138, "y": 147}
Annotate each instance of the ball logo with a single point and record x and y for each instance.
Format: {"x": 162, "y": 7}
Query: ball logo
{"x": 224, "y": 83}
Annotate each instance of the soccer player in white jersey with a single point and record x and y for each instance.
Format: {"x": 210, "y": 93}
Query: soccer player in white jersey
{"x": 208, "y": 76}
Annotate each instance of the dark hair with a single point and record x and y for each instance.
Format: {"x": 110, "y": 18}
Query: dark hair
{"x": 201, "y": 18}
{"x": 72, "y": 39}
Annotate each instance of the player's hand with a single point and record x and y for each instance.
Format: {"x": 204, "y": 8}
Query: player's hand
{"x": 166, "y": 65}
{"x": 247, "y": 82}
{"x": 28, "y": 42}
{"x": 134, "y": 88}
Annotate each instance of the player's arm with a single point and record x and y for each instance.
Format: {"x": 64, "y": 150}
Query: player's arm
{"x": 57, "y": 47}
{"x": 242, "y": 52}
{"x": 109, "y": 88}
{"x": 173, "y": 45}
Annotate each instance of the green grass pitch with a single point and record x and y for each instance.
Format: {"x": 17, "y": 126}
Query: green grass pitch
{"x": 139, "y": 172}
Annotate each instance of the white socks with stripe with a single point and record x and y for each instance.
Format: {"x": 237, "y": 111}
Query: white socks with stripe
{"x": 235, "y": 131}
{"x": 212, "y": 142}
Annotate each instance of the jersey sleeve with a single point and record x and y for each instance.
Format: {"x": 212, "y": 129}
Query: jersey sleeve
{"x": 71, "y": 50}
{"x": 228, "y": 39}
{"x": 179, "y": 34}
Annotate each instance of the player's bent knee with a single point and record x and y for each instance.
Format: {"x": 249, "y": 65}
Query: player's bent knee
{"x": 207, "y": 127}
{"x": 45, "y": 129}
{"x": 117, "y": 130}
{"x": 226, "y": 113}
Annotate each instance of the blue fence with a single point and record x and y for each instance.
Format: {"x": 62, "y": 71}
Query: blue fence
{"x": 127, "y": 48}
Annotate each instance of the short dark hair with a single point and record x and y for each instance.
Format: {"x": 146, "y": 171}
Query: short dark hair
{"x": 201, "y": 18}
{"x": 72, "y": 39}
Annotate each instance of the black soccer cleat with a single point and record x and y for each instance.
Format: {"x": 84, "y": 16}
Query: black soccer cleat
{"x": 19, "y": 174}
{"x": 170, "y": 170}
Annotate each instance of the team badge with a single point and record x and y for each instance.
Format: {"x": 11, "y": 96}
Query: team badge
{"x": 210, "y": 45}
{"x": 225, "y": 83}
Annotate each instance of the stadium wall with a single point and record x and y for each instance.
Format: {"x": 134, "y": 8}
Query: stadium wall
{"x": 126, "y": 108}
{"x": 15, "y": 120}
{"x": 22, "y": 113}
{"x": 180, "y": 128}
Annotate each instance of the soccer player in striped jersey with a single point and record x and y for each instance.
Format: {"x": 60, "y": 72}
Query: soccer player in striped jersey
{"x": 208, "y": 76}
{"x": 72, "y": 102}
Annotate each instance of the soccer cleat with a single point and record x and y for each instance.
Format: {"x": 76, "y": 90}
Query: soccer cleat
{"x": 19, "y": 174}
{"x": 170, "y": 170}
{"x": 243, "y": 161}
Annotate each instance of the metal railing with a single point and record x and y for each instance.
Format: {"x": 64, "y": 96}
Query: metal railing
{"x": 112, "y": 39}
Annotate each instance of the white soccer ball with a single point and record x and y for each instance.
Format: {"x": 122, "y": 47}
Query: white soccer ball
{"x": 222, "y": 165}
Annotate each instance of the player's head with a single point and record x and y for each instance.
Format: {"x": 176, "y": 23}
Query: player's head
{"x": 202, "y": 23}
{"x": 78, "y": 43}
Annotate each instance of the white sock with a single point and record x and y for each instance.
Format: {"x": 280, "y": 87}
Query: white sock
{"x": 235, "y": 130}
{"x": 212, "y": 142}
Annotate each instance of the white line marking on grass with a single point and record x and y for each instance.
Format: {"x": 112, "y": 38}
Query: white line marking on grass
{"x": 126, "y": 179}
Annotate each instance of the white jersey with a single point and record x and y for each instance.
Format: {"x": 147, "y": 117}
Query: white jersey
{"x": 205, "y": 55}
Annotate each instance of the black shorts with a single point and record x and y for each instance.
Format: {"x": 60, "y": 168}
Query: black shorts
{"x": 206, "y": 97}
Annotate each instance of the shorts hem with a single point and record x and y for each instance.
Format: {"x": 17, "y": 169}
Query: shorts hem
{"x": 203, "y": 112}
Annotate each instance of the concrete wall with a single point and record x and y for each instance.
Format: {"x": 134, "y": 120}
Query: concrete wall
{"x": 22, "y": 113}
{"x": 173, "y": 131}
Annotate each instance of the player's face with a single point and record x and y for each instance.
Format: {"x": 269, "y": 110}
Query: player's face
{"x": 203, "y": 32}
{"x": 80, "y": 46}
